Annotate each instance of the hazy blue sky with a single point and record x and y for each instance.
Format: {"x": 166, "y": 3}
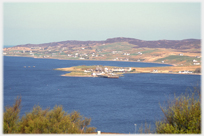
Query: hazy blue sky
{"x": 52, "y": 22}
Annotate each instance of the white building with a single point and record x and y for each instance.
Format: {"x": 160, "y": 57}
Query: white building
{"x": 106, "y": 69}
{"x": 155, "y": 71}
{"x": 196, "y": 63}
{"x": 86, "y": 71}
{"x": 195, "y": 60}
{"x": 126, "y": 54}
{"x": 93, "y": 74}
{"x": 186, "y": 72}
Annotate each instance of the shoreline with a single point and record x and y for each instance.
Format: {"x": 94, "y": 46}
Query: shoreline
{"x": 94, "y": 60}
{"x": 115, "y": 61}
{"x": 124, "y": 61}
{"x": 193, "y": 74}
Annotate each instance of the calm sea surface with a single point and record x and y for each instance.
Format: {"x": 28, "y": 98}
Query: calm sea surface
{"x": 114, "y": 105}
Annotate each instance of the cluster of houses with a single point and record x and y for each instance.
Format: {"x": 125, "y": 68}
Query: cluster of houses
{"x": 106, "y": 71}
{"x": 126, "y": 54}
{"x": 195, "y": 62}
{"x": 185, "y": 72}
{"x": 140, "y": 53}
{"x": 83, "y": 55}
{"x": 117, "y": 59}
{"x": 76, "y": 55}
{"x": 181, "y": 72}
{"x": 116, "y": 52}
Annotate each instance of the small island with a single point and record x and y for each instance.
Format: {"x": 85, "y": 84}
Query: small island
{"x": 116, "y": 72}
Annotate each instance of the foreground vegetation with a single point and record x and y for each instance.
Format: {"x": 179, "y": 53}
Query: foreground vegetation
{"x": 181, "y": 116}
{"x": 47, "y": 121}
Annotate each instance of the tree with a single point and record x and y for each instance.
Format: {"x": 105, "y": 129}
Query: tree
{"x": 11, "y": 117}
{"x": 46, "y": 121}
{"x": 183, "y": 115}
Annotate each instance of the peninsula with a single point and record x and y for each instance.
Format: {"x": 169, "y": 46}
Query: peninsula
{"x": 116, "y": 72}
{"x": 96, "y": 71}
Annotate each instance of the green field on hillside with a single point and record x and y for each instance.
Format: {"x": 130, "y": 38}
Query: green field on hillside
{"x": 148, "y": 51}
{"x": 176, "y": 58}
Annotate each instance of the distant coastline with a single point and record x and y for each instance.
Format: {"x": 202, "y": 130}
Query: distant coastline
{"x": 8, "y": 46}
{"x": 142, "y": 69}
{"x": 106, "y": 71}
{"x": 92, "y": 60}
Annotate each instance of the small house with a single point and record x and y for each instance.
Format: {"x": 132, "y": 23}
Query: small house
{"x": 195, "y": 60}
{"x": 196, "y": 63}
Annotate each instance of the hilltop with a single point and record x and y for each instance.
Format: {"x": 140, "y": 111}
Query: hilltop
{"x": 173, "y": 44}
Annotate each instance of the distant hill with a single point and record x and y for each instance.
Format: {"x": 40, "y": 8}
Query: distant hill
{"x": 173, "y": 44}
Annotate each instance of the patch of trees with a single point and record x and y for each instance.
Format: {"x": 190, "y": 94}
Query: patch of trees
{"x": 45, "y": 121}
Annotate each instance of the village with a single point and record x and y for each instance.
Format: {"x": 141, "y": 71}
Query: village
{"x": 96, "y": 71}
{"x": 106, "y": 72}
{"x": 116, "y": 72}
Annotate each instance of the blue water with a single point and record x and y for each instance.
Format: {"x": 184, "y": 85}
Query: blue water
{"x": 114, "y": 105}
